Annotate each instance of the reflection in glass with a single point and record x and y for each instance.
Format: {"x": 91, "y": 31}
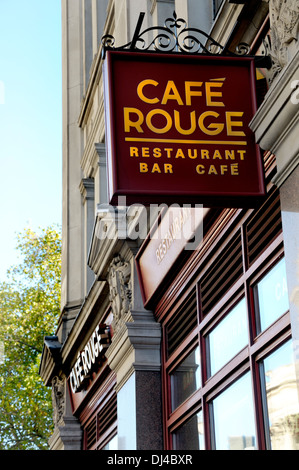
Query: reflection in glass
{"x": 272, "y": 295}
{"x": 282, "y": 399}
{"x": 234, "y": 417}
{"x": 185, "y": 379}
{"x": 229, "y": 337}
{"x": 191, "y": 435}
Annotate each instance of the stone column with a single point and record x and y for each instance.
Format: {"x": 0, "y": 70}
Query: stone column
{"x": 134, "y": 355}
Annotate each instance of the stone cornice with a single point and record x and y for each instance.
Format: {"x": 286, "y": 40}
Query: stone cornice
{"x": 87, "y": 188}
{"x": 104, "y": 244}
{"x": 135, "y": 347}
{"x": 225, "y": 21}
{"x": 51, "y": 360}
{"x": 276, "y": 123}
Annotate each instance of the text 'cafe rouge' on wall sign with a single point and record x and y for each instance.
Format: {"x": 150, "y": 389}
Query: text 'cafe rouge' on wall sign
{"x": 177, "y": 129}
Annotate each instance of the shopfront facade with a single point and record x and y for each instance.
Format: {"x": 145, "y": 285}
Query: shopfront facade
{"x": 231, "y": 322}
{"x": 193, "y": 344}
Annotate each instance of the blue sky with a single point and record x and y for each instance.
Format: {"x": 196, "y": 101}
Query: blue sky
{"x": 30, "y": 120}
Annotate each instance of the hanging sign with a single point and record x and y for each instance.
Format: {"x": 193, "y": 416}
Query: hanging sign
{"x": 177, "y": 129}
{"x": 178, "y": 229}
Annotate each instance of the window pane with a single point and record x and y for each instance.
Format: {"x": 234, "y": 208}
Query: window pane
{"x": 217, "y": 4}
{"x": 185, "y": 379}
{"x": 282, "y": 399}
{"x": 191, "y": 435}
{"x": 272, "y": 295}
{"x": 234, "y": 417}
{"x": 228, "y": 338}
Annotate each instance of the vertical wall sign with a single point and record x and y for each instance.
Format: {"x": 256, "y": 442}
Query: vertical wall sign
{"x": 177, "y": 129}
{"x": 89, "y": 359}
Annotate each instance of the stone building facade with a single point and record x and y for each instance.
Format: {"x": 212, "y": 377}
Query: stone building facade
{"x": 137, "y": 388}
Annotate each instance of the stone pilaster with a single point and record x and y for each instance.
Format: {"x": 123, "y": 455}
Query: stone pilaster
{"x": 67, "y": 436}
{"x": 87, "y": 192}
{"x": 135, "y": 357}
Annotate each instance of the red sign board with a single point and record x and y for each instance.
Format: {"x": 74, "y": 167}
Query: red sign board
{"x": 165, "y": 243}
{"x": 177, "y": 129}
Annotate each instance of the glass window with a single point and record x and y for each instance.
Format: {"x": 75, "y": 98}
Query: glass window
{"x": 228, "y": 338}
{"x": 185, "y": 379}
{"x": 272, "y": 295}
{"x": 190, "y": 436}
{"x": 234, "y": 417}
{"x": 282, "y": 408}
{"x": 216, "y": 5}
{"x": 233, "y": 304}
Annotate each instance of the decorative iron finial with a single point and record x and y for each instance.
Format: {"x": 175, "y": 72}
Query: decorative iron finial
{"x": 175, "y": 36}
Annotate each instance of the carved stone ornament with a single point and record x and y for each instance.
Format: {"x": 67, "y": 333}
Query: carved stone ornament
{"x": 58, "y": 399}
{"x": 284, "y": 23}
{"x": 119, "y": 279}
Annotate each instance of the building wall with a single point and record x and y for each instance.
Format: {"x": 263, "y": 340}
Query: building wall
{"x": 99, "y": 279}
{"x": 72, "y": 292}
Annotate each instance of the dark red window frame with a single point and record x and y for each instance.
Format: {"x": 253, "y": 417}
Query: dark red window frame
{"x": 264, "y": 227}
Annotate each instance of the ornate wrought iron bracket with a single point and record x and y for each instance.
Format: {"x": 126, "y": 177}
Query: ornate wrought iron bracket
{"x": 175, "y": 36}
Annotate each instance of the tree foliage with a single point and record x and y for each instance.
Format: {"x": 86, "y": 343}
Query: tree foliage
{"x": 29, "y": 310}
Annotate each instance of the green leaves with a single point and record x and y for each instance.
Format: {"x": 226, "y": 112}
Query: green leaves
{"x": 29, "y": 310}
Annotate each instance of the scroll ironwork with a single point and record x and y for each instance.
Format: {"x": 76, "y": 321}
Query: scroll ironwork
{"x": 176, "y": 36}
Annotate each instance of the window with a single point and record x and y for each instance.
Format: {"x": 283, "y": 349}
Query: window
{"x": 100, "y": 429}
{"x": 190, "y": 435}
{"x": 216, "y": 6}
{"x": 233, "y": 417}
{"x": 228, "y": 369}
{"x": 272, "y": 296}
{"x": 228, "y": 338}
{"x": 185, "y": 379}
{"x": 281, "y": 407}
